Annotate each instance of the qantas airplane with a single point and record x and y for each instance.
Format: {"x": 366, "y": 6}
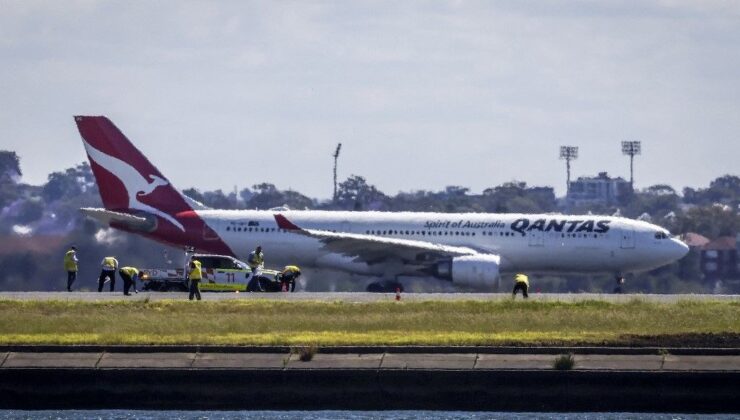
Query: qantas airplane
{"x": 470, "y": 250}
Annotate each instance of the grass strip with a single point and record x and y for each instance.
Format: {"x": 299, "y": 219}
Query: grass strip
{"x": 266, "y": 322}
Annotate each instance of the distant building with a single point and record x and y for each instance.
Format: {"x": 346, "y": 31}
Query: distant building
{"x": 719, "y": 258}
{"x": 695, "y": 240}
{"x": 601, "y": 189}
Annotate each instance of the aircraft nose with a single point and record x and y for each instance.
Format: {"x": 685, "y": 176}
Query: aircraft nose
{"x": 679, "y": 248}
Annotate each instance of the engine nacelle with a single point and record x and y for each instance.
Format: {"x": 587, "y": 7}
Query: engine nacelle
{"x": 471, "y": 270}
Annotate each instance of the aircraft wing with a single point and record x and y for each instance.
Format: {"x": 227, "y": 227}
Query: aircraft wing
{"x": 373, "y": 249}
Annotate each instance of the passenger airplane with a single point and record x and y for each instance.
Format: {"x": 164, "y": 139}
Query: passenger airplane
{"x": 469, "y": 250}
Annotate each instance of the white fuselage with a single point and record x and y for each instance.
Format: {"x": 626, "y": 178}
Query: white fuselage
{"x": 542, "y": 243}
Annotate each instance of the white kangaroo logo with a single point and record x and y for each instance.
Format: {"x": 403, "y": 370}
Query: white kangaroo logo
{"x": 136, "y": 185}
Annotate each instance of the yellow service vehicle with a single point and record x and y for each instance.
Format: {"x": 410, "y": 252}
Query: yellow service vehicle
{"x": 221, "y": 273}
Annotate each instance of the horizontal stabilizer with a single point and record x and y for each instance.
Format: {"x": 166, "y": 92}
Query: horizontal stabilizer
{"x": 195, "y": 204}
{"x": 107, "y": 217}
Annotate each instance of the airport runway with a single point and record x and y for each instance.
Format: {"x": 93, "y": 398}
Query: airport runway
{"x": 357, "y": 297}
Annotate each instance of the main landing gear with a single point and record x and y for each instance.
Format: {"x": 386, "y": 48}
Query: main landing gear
{"x": 387, "y": 286}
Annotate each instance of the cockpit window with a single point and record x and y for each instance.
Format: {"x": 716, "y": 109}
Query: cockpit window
{"x": 661, "y": 235}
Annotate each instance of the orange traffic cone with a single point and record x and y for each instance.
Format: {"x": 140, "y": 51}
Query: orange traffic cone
{"x": 398, "y": 293}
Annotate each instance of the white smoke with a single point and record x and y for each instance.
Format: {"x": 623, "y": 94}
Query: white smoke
{"x": 108, "y": 236}
{"x": 22, "y": 230}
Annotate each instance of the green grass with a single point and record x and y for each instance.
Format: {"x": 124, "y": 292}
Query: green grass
{"x": 266, "y": 322}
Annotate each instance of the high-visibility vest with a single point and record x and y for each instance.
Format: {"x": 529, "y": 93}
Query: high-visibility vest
{"x": 291, "y": 269}
{"x": 130, "y": 271}
{"x": 255, "y": 259}
{"x": 69, "y": 261}
{"x": 195, "y": 273}
{"x": 109, "y": 263}
{"x": 521, "y": 278}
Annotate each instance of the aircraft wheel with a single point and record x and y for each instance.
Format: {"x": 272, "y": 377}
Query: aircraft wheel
{"x": 174, "y": 288}
{"x": 384, "y": 287}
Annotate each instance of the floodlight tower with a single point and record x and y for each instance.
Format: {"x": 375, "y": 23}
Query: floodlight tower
{"x": 336, "y": 157}
{"x": 632, "y": 149}
{"x": 568, "y": 153}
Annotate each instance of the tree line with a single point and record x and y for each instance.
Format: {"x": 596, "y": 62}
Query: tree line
{"x": 38, "y": 222}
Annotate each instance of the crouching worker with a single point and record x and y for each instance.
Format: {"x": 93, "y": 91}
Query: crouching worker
{"x": 129, "y": 276}
{"x": 288, "y": 277}
{"x": 195, "y": 275}
{"x": 521, "y": 282}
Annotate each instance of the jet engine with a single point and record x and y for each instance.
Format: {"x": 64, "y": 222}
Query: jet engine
{"x": 471, "y": 270}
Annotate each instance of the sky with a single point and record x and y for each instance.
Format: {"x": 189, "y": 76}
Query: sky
{"x": 422, "y": 94}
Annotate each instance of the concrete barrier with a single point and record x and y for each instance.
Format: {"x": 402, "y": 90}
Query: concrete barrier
{"x": 376, "y": 389}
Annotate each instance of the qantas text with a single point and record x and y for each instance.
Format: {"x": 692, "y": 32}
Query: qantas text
{"x": 522, "y": 225}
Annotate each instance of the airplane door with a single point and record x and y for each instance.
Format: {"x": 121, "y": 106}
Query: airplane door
{"x": 628, "y": 238}
{"x": 536, "y": 238}
{"x": 209, "y": 232}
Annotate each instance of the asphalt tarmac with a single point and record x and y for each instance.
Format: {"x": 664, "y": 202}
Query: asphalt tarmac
{"x": 358, "y": 297}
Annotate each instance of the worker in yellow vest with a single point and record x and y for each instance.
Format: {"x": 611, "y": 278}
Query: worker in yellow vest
{"x": 70, "y": 265}
{"x": 288, "y": 277}
{"x": 521, "y": 282}
{"x": 256, "y": 260}
{"x": 129, "y": 276}
{"x": 195, "y": 275}
{"x": 109, "y": 266}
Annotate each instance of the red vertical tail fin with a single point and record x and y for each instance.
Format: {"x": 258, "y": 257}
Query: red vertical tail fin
{"x": 128, "y": 182}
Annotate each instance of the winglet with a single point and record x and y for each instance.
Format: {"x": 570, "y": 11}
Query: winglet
{"x": 284, "y": 223}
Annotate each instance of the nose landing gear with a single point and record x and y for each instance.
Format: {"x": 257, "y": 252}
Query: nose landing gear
{"x": 619, "y": 284}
